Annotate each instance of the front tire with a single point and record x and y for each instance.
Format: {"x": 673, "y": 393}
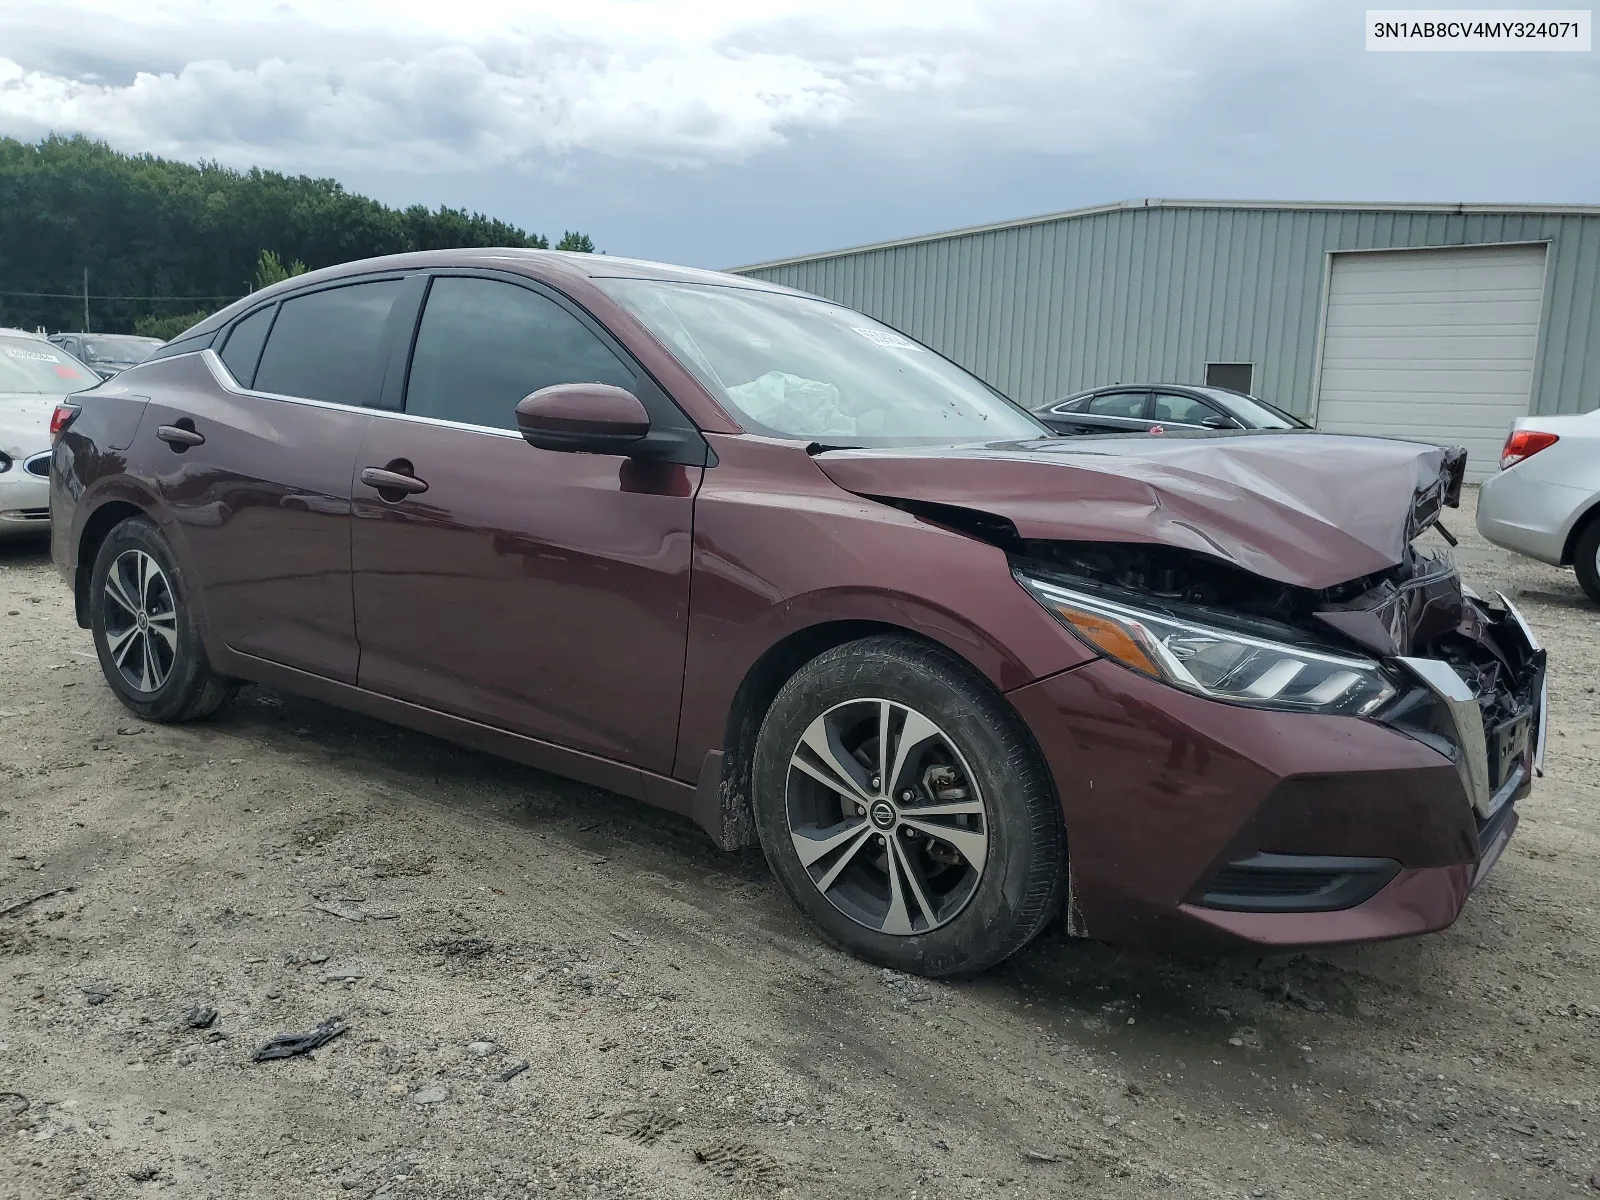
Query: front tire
{"x": 1586, "y": 559}
{"x": 905, "y": 809}
{"x": 144, "y": 629}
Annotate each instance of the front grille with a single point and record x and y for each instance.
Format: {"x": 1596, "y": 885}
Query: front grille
{"x": 38, "y": 465}
{"x": 1296, "y": 883}
{"x": 29, "y": 514}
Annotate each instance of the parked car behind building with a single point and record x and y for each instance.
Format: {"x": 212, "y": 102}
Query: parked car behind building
{"x": 1545, "y": 502}
{"x": 956, "y": 676}
{"x": 1141, "y": 408}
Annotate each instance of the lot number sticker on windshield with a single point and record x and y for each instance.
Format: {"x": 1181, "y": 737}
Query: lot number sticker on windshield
{"x": 882, "y": 337}
{"x": 32, "y": 355}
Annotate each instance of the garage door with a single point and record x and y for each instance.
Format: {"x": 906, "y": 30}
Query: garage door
{"x": 1432, "y": 344}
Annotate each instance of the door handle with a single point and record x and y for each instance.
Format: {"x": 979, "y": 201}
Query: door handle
{"x": 180, "y": 438}
{"x": 392, "y": 481}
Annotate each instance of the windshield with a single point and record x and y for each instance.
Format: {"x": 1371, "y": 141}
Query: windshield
{"x": 1261, "y": 415}
{"x": 795, "y": 367}
{"x": 129, "y": 350}
{"x": 39, "y": 368}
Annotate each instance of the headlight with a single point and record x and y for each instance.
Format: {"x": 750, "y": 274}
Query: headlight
{"x": 1220, "y": 663}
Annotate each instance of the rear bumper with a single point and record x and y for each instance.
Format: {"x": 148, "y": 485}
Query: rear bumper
{"x": 1162, "y": 790}
{"x": 1528, "y": 515}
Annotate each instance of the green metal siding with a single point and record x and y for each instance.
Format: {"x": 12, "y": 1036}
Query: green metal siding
{"x": 1046, "y": 308}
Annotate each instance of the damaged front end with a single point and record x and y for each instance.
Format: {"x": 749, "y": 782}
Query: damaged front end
{"x": 1286, "y": 575}
{"x": 1412, "y": 647}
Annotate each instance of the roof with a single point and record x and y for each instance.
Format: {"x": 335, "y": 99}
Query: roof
{"x": 571, "y": 263}
{"x": 1581, "y": 210}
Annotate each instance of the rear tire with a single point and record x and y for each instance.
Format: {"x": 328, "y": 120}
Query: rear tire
{"x": 1586, "y": 559}
{"x": 942, "y": 857}
{"x": 144, "y": 629}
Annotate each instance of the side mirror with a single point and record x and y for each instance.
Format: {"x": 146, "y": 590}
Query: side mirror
{"x": 1218, "y": 423}
{"x": 588, "y": 418}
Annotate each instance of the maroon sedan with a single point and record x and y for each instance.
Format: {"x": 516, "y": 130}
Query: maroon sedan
{"x": 750, "y": 556}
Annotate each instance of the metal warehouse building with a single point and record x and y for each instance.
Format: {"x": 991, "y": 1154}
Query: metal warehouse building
{"x": 1432, "y": 321}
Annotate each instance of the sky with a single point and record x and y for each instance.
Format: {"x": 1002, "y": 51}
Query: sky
{"x": 724, "y": 132}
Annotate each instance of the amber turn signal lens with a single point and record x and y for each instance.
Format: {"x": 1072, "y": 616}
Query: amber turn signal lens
{"x": 1111, "y": 639}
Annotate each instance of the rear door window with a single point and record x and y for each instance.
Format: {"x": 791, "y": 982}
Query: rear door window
{"x": 1118, "y": 404}
{"x": 243, "y": 348}
{"x": 326, "y": 345}
{"x": 1182, "y": 410}
{"x": 483, "y": 345}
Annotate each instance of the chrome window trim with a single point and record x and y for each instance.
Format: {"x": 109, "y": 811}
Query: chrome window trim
{"x": 1140, "y": 421}
{"x": 219, "y": 372}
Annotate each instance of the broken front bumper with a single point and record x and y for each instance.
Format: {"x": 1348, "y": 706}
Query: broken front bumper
{"x": 1495, "y": 762}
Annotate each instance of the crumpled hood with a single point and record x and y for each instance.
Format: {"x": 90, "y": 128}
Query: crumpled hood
{"x": 1312, "y": 511}
{"x": 25, "y": 423}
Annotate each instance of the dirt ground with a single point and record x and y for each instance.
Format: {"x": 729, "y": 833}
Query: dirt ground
{"x": 683, "y": 1032}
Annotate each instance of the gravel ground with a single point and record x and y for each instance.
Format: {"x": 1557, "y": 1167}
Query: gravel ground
{"x": 683, "y": 1034}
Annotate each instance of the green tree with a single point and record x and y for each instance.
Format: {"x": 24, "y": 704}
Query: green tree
{"x": 185, "y": 236}
{"x": 572, "y": 240}
{"x": 167, "y": 328}
{"x": 270, "y": 270}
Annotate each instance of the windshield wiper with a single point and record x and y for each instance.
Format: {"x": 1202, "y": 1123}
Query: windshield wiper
{"x": 816, "y": 448}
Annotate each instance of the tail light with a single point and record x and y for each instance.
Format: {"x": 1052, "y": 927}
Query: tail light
{"x": 61, "y": 418}
{"x": 1524, "y": 442}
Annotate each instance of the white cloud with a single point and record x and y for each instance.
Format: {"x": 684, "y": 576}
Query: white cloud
{"x": 429, "y": 86}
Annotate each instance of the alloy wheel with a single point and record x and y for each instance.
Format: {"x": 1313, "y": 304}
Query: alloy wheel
{"x": 141, "y": 621}
{"x": 886, "y": 817}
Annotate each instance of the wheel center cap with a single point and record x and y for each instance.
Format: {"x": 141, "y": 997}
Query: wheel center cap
{"x": 144, "y": 621}
{"x": 882, "y": 814}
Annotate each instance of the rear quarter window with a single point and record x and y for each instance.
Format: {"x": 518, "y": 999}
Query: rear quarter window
{"x": 242, "y": 350}
{"x": 326, "y": 345}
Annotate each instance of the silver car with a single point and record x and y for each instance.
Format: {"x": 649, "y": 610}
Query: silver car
{"x": 34, "y": 377}
{"x": 1545, "y": 502}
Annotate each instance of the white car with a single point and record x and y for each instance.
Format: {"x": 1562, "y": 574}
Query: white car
{"x": 1545, "y": 502}
{"x": 34, "y": 377}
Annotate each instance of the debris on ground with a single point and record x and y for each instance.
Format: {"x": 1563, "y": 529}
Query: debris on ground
{"x": 907, "y": 988}
{"x": 97, "y": 993}
{"x": 13, "y": 909}
{"x": 287, "y": 1045}
{"x": 512, "y": 1072}
{"x": 200, "y": 1017}
{"x": 350, "y": 912}
{"x": 432, "y": 1095}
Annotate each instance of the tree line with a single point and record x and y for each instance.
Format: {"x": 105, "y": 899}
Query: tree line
{"x": 164, "y": 243}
